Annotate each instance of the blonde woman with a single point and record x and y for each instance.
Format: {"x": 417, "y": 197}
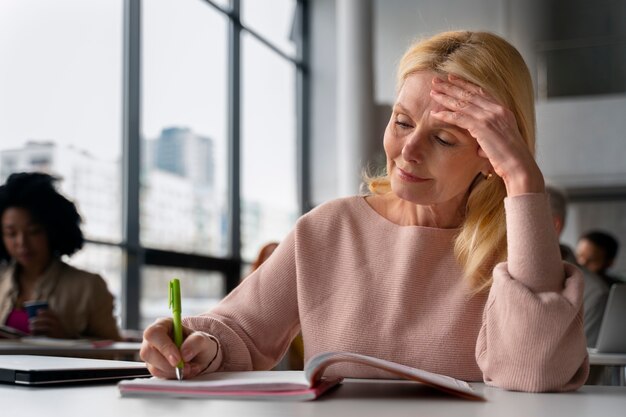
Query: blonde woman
{"x": 451, "y": 264}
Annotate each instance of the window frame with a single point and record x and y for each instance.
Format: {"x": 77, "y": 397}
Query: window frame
{"x": 134, "y": 254}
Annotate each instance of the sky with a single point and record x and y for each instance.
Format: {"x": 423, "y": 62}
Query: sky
{"x": 61, "y": 80}
{"x": 60, "y": 75}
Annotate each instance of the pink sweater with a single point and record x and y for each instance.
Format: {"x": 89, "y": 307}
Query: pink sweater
{"x": 351, "y": 280}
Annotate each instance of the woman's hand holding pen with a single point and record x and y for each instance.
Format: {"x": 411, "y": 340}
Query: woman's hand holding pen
{"x": 495, "y": 129}
{"x": 161, "y": 355}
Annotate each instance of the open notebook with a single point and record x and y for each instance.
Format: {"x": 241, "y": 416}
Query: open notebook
{"x": 286, "y": 385}
{"x": 47, "y": 370}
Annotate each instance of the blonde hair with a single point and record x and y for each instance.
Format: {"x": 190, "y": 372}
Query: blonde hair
{"x": 492, "y": 63}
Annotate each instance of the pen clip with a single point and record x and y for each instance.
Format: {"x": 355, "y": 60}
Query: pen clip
{"x": 170, "y": 296}
{"x": 174, "y": 296}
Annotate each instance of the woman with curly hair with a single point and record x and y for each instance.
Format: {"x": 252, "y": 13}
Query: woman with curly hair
{"x": 39, "y": 226}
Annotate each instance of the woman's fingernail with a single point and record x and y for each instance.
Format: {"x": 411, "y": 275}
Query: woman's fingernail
{"x": 172, "y": 360}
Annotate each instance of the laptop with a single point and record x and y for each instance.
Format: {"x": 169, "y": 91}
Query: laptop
{"x": 50, "y": 370}
{"x": 612, "y": 334}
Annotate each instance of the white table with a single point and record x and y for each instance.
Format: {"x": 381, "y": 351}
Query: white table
{"x": 362, "y": 398}
{"x": 116, "y": 350}
{"x": 614, "y": 366}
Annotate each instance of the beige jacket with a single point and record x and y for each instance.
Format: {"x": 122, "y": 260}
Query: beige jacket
{"x": 80, "y": 299}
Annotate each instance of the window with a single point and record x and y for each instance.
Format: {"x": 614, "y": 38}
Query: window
{"x": 583, "y": 70}
{"x": 200, "y": 290}
{"x": 273, "y": 20}
{"x": 174, "y": 125}
{"x": 184, "y": 135}
{"x": 107, "y": 261}
{"x": 269, "y": 205}
{"x": 61, "y": 101}
{"x": 61, "y": 84}
{"x": 583, "y": 49}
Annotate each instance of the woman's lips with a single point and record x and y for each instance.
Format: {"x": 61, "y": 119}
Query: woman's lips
{"x": 405, "y": 176}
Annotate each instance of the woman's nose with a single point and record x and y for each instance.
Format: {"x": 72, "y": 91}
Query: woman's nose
{"x": 20, "y": 239}
{"x": 414, "y": 148}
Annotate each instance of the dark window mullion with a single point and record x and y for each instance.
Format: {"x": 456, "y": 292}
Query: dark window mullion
{"x": 234, "y": 142}
{"x": 234, "y": 15}
{"x": 131, "y": 164}
{"x": 166, "y": 258}
{"x": 302, "y": 111}
{"x": 271, "y": 46}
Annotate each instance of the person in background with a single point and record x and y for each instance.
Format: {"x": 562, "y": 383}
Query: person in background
{"x": 596, "y": 250}
{"x": 451, "y": 264}
{"x": 263, "y": 254}
{"x": 596, "y": 289}
{"x": 39, "y": 226}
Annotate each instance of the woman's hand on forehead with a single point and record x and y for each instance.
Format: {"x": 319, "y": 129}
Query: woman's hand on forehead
{"x": 494, "y": 127}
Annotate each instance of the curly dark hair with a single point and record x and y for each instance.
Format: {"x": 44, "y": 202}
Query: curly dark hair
{"x": 36, "y": 193}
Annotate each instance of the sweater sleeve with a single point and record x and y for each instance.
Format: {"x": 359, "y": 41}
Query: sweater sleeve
{"x": 532, "y": 336}
{"x": 255, "y": 323}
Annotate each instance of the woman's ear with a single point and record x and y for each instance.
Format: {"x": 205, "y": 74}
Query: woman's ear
{"x": 487, "y": 170}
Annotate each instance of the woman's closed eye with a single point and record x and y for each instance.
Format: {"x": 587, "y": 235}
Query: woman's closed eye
{"x": 9, "y": 234}
{"x": 403, "y": 125}
{"x": 442, "y": 141}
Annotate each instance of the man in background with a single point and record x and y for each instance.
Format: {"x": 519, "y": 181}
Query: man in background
{"x": 596, "y": 251}
{"x": 596, "y": 289}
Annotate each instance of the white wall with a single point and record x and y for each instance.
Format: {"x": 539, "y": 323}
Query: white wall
{"x": 400, "y": 22}
{"x": 323, "y": 107}
{"x": 582, "y": 141}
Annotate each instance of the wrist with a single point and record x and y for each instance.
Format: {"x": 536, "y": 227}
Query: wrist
{"x": 216, "y": 361}
{"x": 524, "y": 182}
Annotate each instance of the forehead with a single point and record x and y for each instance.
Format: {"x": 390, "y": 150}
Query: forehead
{"x": 15, "y": 215}
{"x": 414, "y": 100}
{"x": 414, "y": 95}
{"x": 589, "y": 248}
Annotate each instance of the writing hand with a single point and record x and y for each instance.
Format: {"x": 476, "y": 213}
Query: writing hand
{"x": 161, "y": 355}
{"x": 495, "y": 129}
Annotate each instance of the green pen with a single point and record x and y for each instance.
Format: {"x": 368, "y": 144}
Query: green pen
{"x": 175, "y": 305}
